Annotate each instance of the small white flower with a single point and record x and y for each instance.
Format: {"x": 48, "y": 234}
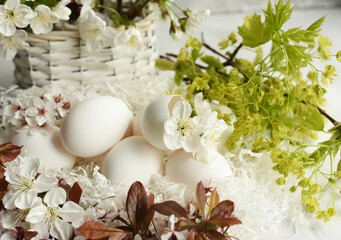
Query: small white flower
{"x": 10, "y": 44}
{"x": 130, "y": 39}
{"x": 43, "y": 20}
{"x": 21, "y": 174}
{"x": 62, "y": 11}
{"x": 41, "y": 113}
{"x": 180, "y": 129}
{"x": 209, "y": 141}
{"x": 196, "y": 17}
{"x": 53, "y": 217}
{"x": 201, "y": 107}
{"x": 12, "y": 15}
{"x": 93, "y": 29}
{"x": 176, "y": 34}
{"x": 169, "y": 232}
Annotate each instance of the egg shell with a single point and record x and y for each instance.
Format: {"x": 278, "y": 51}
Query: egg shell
{"x": 95, "y": 125}
{"x": 132, "y": 159}
{"x": 137, "y": 131}
{"x": 181, "y": 167}
{"x": 153, "y": 118}
{"x": 45, "y": 146}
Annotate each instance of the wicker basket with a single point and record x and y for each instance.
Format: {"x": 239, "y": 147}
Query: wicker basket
{"x": 62, "y": 55}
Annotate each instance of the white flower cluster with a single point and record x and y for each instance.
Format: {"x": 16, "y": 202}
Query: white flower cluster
{"x": 199, "y": 134}
{"x": 15, "y": 15}
{"x": 34, "y": 202}
{"x": 34, "y": 109}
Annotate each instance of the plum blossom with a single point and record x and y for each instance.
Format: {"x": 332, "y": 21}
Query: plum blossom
{"x": 10, "y": 44}
{"x": 43, "y": 20}
{"x": 181, "y": 130}
{"x": 62, "y": 11}
{"x": 12, "y": 15}
{"x": 93, "y": 29}
{"x": 169, "y": 232}
{"x": 24, "y": 185}
{"x": 195, "y": 19}
{"x": 130, "y": 39}
{"x": 41, "y": 113}
{"x": 49, "y": 215}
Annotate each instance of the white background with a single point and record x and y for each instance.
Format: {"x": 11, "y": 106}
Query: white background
{"x": 220, "y": 24}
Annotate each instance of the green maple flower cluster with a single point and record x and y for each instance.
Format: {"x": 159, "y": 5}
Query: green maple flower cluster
{"x": 276, "y": 99}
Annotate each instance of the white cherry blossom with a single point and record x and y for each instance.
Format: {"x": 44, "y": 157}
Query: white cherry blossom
{"x": 43, "y": 20}
{"x": 12, "y": 15}
{"x": 181, "y": 129}
{"x": 209, "y": 141}
{"x": 10, "y": 44}
{"x": 62, "y": 11}
{"x": 51, "y": 216}
{"x": 93, "y": 29}
{"x": 24, "y": 185}
{"x": 195, "y": 19}
{"x": 169, "y": 232}
{"x": 15, "y": 218}
{"x": 130, "y": 39}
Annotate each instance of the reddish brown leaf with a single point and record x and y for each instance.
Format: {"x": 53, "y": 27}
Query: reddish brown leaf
{"x": 137, "y": 204}
{"x": 170, "y": 207}
{"x": 214, "y": 235}
{"x": 222, "y": 210}
{"x": 201, "y": 198}
{"x": 9, "y": 152}
{"x": 214, "y": 200}
{"x": 150, "y": 214}
{"x": 63, "y": 184}
{"x": 118, "y": 236}
{"x": 3, "y": 187}
{"x": 226, "y": 221}
{"x": 75, "y": 193}
{"x": 191, "y": 235}
{"x": 30, "y": 234}
{"x": 95, "y": 230}
{"x": 182, "y": 225}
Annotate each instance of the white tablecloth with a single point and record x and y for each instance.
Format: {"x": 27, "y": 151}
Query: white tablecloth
{"x": 219, "y": 26}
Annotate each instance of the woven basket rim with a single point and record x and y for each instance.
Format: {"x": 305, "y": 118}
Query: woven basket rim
{"x": 62, "y": 35}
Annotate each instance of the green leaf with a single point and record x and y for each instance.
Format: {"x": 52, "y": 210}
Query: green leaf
{"x": 311, "y": 118}
{"x": 275, "y": 18}
{"x": 254, "y": 32}
{"x": 165, "y": 65}
{"x": 212, "y": 61}
{"x": 316, "y": 25}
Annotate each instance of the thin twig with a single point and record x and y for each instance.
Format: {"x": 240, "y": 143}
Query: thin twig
{"x": 215, "y": 51}
{"x": 324, "y": 113}
{"x": 233, "y": 55}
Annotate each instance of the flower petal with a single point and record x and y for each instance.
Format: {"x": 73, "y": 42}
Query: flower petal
{"x": 25, "y": 199}
{"x": 44, "y": 183}
{"x": 61, "y": 230}
{"x": 71, "y": 211}
{"x": 55, "y": 197}
{"x": 36, "y": 214}
{"x": 172, "y": 142}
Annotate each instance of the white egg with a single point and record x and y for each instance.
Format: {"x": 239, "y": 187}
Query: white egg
{"x": 181, "y": 167}
{"x": 46, "y": 146}
{"x": 132, "y": 159}
{"x": 95, "y": 125}
{"x": 137, "y": 131}
{"x": 153, "y": 118}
